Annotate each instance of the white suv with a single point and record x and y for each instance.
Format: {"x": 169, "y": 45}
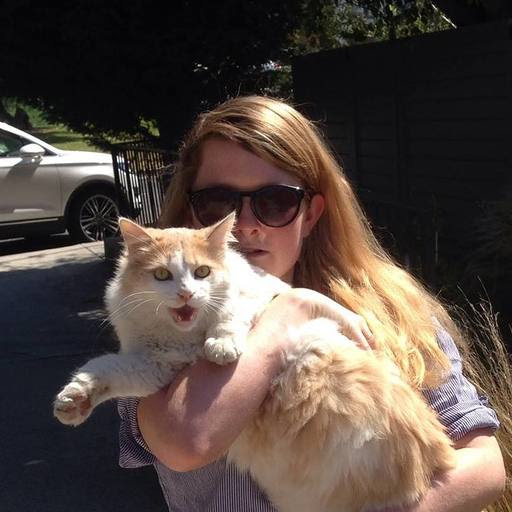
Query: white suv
{"x": 46, "y": 190}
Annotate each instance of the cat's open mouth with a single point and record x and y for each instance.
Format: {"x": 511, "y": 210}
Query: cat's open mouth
{"x": 183, "y": 315}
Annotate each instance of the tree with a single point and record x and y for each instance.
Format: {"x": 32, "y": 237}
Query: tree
{"x": 116, "y": 67}
{"x": 469, "y": 12}
{"x": 120, "y": 69}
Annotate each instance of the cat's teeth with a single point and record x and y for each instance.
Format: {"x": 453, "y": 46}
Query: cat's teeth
{"x": 185, "y": 314}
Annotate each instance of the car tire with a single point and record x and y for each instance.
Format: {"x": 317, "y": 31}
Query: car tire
{"x": 93, "y": 216}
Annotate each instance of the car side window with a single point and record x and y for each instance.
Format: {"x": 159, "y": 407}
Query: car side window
{"x": 10, "y": 144}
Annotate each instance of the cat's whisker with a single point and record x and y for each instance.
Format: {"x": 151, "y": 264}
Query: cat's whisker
{"x": 212, "y": 308}
{"x": 134, "y": 308}
{"x": 124, "y": 304}
{"x": 134, "y": 294}
{"x": 158, "y": 307}
{"x": 137, "y": 293}
{"x": 121, "y": 312}
{"x": 215, "y": 308}
{"x": 104, "y": 322}
{"x": 122, "y": 309}
{"x": 216, "y": 302}
{"x": 218, "y": 297}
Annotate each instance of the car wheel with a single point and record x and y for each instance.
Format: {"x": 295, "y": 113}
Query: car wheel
{"x": 93, "y": 216}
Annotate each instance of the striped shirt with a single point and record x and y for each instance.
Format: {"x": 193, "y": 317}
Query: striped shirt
{"x": 219, "y": 487}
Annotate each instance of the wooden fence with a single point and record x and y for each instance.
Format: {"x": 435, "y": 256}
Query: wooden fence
{"x": 421, "y": 121}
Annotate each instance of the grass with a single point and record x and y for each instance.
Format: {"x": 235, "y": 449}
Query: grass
{"x": 487, "y": 364}
{"x": 63, "y": 138}
{"x": 57, "y": 135}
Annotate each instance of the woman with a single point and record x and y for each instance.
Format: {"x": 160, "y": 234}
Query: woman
{"x": 318, "y": 239}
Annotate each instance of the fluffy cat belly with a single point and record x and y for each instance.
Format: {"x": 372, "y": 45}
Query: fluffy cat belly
{"x": 331, "y": 435}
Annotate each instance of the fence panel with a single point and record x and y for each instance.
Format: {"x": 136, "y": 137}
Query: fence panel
{"x": 409, "y": 233}
{"x": 142, "y": 174}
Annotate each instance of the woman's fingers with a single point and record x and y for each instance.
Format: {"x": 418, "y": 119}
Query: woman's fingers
{"x": 351, "y": 324}
{"x": 358, "y": 336}
{"x": 367, "y": 334}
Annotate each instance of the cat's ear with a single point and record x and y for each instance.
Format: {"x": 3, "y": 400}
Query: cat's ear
{"x": 221, "y": 234}
{"x": 132, "y": 233}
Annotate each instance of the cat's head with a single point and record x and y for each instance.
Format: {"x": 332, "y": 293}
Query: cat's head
{"x": 180, "y": 272}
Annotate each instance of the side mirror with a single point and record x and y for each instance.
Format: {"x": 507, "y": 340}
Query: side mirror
{"x": 31, "y": 151}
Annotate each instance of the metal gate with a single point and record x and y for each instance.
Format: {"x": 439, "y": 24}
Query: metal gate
{"x": 142, "y": 174}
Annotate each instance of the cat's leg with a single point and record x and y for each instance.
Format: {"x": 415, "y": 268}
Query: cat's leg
{"x": 225, "y": 342}
{"x": 109, "y": 376}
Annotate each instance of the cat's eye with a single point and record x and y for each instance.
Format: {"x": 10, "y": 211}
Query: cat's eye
{"x": 202, "y": 271}
{"x": 162, "y": 274}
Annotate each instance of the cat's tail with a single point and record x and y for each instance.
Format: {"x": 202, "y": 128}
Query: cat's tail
{"x": 351, "y": 418}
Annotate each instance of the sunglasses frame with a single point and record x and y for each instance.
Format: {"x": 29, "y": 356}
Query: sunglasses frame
{"x": 239, "y": 195}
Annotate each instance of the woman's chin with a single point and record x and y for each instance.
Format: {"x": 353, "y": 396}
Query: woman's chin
{"x": 261, "y": 260}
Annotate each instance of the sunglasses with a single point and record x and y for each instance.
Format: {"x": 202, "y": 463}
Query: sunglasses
{"x": 274, "y": 206}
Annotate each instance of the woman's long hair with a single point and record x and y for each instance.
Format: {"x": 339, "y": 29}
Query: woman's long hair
{"x": 341, "y": 258}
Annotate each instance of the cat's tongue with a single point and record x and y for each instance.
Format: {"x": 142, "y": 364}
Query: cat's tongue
{"x": 184, "y": 314}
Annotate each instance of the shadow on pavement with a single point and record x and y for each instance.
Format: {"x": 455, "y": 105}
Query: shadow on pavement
{"x": 50, "y": 323}
{"x": 39, "y": 243}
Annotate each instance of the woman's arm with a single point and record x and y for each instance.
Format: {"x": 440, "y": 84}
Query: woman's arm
{"x": 477, "y": 480}
{"x": 196, "y": 419}
{"x": 479, "y": 475}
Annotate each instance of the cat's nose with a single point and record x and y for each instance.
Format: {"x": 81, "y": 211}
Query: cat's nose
{"x": 185, "y": 295}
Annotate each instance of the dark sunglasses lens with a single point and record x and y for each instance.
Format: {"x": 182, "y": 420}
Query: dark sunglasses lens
{"x": 212, "y": 205}
{"x": 277, "y": 206}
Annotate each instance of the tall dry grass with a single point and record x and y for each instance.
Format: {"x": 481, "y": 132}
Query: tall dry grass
{"x": 488, "y": 365}
{"x": 491, "y": 255}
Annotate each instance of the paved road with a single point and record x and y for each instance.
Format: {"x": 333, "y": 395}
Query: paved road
{"x": 50, "y": 323}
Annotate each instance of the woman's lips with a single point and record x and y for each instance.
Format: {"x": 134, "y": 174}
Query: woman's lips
{"x": 252, "y": 252}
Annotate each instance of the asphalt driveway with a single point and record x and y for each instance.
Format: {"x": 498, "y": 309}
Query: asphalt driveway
{"x": 50, "y": 323}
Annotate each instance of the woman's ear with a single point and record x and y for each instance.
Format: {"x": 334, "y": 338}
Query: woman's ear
{"x": 313, "y": 212}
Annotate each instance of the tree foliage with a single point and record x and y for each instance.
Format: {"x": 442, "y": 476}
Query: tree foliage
{"x": 350, "y": 22}
{"x": 392, "y": 19}
{"x": 120, "y": 68}
{"x": 114, "y": 67}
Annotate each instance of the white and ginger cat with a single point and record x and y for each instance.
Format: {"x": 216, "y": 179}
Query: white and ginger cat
{"x": 339, "y": 430}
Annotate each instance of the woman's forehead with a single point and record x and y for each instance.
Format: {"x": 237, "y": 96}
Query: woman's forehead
{"x": 227, "y": 163}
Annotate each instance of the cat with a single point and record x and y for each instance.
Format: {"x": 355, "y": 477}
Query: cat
{"x": 339, "y": 430}
{"x": 170, "y": 293}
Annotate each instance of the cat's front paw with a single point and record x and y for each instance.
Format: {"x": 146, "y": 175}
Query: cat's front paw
{"x": 222, "y": 350}
{"x": 74, "y": 404}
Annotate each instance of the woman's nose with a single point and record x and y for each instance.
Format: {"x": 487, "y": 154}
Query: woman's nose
{"x": 246, "y": 219}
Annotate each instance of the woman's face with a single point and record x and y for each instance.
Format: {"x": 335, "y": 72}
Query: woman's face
{"x": 275, "y": 250}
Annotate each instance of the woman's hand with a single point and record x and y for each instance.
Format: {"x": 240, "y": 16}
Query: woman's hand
{"x": 298, "y": 305}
